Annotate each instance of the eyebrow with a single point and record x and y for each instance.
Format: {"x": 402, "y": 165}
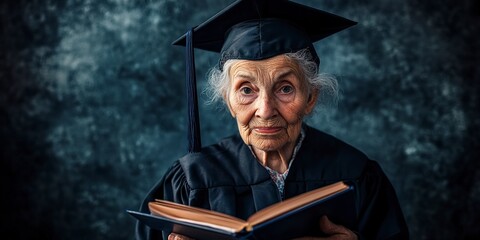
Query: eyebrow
{"x": 284, "y": 74}
{"x": 278, "y": 76}
{"x": 242, "y": 75}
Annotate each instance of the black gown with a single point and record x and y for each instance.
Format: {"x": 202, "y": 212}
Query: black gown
{"x": 226, "y": 177}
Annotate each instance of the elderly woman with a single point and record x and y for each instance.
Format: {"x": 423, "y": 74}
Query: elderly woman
{"x": 269, "y": 80}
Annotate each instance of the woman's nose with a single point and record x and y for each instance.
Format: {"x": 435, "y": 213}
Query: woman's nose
{"x": 266, "y": 108}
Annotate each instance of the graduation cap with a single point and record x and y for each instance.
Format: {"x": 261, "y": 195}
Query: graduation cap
{"x": 253, "y": 30}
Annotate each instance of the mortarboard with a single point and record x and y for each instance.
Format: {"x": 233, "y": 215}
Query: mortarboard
{"x": 253, "y": 30}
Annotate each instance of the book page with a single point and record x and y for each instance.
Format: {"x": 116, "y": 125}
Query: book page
{"x": 196, "y": 215}
{"x": 295, "y": 202}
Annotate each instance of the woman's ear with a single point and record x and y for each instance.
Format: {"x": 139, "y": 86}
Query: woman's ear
{"x": 312, "y": 101}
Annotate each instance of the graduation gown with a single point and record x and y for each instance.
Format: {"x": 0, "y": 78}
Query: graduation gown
{"x": 227, "y": 178}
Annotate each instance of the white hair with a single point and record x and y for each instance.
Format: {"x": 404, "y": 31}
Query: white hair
{"x": 219, "y": 81}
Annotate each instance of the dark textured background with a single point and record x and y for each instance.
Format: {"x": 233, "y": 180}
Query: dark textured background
{"x": 92, "y": 108}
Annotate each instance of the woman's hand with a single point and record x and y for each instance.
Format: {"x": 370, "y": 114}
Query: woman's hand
{"x": 175, "y": 236}
{"x": 334, "y": 231}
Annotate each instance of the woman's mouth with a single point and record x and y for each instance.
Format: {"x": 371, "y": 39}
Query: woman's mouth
{"x": 267, "y": 130}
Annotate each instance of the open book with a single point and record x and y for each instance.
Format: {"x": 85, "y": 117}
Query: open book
{"x": 295, "y": 217}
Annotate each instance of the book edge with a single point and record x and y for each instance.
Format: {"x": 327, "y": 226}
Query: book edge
{"x": 272, "y": 212}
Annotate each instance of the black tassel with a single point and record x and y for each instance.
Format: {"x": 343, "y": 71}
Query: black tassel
{"x": 194, "y": 138}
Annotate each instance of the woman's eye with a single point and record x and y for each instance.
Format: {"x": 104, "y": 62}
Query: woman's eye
{"x": 286, "y": 89}
{"x": 246, "y": 90}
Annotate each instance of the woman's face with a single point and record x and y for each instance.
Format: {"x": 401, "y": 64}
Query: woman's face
{"x": 269, "y": 99}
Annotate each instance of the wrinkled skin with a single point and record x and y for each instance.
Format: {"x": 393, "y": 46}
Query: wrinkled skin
{"x": 269, "y": 99}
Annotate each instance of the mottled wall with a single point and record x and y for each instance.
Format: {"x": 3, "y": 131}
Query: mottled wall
{"x": 92, "y": 108}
